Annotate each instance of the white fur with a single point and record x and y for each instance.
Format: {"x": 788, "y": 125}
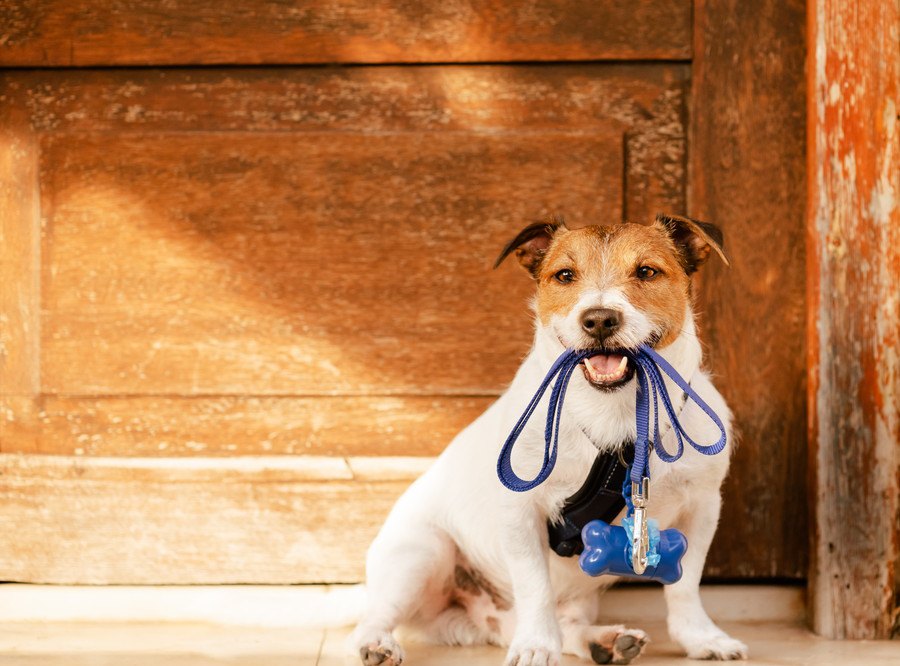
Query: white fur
{"x": 635, "y": 328}
{"x": 460, "y": 508}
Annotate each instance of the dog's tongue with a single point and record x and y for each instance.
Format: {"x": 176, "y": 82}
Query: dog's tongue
{"x": 605, "y": 364}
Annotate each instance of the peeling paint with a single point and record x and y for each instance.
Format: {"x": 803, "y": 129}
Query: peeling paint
{"x": 854, "y": 281}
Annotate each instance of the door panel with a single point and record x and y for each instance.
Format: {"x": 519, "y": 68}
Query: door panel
{"x": 315, "y": 264}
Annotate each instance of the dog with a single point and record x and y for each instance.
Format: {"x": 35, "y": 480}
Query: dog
{"x": 465, "y": 561}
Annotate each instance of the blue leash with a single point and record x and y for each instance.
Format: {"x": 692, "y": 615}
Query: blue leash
{"x": 651, "y": 386}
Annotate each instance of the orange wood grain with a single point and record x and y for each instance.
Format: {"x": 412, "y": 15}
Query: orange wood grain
{"x": 193, "y": 32}
{"x": 20, "y": 259}
{"x": 19, "y": 272}
{"x": 239, "y": 425}
{"x": 853, "y": 226}
{"x": 314, "y": 264}
{"x": 241, "y": 520}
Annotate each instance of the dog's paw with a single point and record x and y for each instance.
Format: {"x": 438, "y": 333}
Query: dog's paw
{"x": 717, "y": 647}
{"x": 385, "y": 653}
{"x": 379, "y": 649}
{"x": 533, "y": 652}
{"x": 619, "y": 648}
{"x": 537, "y": 656}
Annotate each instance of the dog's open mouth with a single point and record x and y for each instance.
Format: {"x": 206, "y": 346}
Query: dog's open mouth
{"x": 608, "y": 371}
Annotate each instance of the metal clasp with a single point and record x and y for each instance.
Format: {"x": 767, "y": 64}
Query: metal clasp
{"x": 640, "y": 538}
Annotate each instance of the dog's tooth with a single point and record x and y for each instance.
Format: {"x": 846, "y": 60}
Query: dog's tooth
{"x": 615, "y": 375}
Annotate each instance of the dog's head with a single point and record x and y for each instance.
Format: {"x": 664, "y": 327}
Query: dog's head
{"x": 614, "y": 287}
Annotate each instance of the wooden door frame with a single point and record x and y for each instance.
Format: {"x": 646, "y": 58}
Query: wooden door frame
{"x": 853, "y": 258}
{"x": 780, "y": 147}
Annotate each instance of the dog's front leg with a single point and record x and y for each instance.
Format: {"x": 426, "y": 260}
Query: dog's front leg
{"x": 537, "y": 640}
{"x": 689, "y": 625}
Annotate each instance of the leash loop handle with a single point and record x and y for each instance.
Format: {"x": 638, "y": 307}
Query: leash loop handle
{"x": 562, "y": 370}
{"x": 651, "y": 387}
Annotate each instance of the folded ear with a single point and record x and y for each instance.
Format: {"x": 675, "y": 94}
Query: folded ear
{"x": 531, "y": 243}
{"x": 694, "y": 239}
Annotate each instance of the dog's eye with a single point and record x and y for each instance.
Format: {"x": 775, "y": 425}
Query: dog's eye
{"x": 646, "y": 272}
{"x": 565, "y": 276}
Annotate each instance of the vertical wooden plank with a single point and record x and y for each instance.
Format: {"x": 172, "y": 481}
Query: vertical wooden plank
{"x": 19, "y": 238}
{"x": 746, "y": 173}
{"x": 19, "y": 268}
{"x": 854, "y": 316}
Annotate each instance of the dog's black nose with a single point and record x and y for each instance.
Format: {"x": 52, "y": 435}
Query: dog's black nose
{"x": 600, "y": 323}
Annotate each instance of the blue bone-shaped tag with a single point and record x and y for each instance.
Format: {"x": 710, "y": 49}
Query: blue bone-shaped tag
{"x": 607, "y": 550}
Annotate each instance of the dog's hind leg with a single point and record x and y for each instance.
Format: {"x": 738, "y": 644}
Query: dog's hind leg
{"x": 407, "y": 565}
{"x": 454, "y": 626}
{"x": 602, "y": 644}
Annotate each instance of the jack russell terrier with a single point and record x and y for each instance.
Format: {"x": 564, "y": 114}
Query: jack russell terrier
{"x": 464, "y": 561}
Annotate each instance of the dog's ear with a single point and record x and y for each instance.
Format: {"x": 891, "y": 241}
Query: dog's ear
{"x": 531, "y": 243}
{"x": 694, "y": 239}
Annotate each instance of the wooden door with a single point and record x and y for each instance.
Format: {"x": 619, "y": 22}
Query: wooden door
{"x": 246, "y": 292}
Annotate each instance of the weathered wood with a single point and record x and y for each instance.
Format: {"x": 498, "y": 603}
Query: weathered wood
{"x": 747, "y": 175}
{"x": 314, "y": 264}
{"x": 237, "y": 425}
{"x": 130, "y": 32}
{"x": 194, "y": 520}
{"x": 646, "y": 101}
{"x": 854, "y": 317}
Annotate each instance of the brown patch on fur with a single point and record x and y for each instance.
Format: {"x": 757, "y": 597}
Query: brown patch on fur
{"x": 493, "y": 624}
{"x": 470, "y": 581}
{"x": 607, "y": 257}
{"x": 578, "y": 250}
{"x": 464, "y": 580}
